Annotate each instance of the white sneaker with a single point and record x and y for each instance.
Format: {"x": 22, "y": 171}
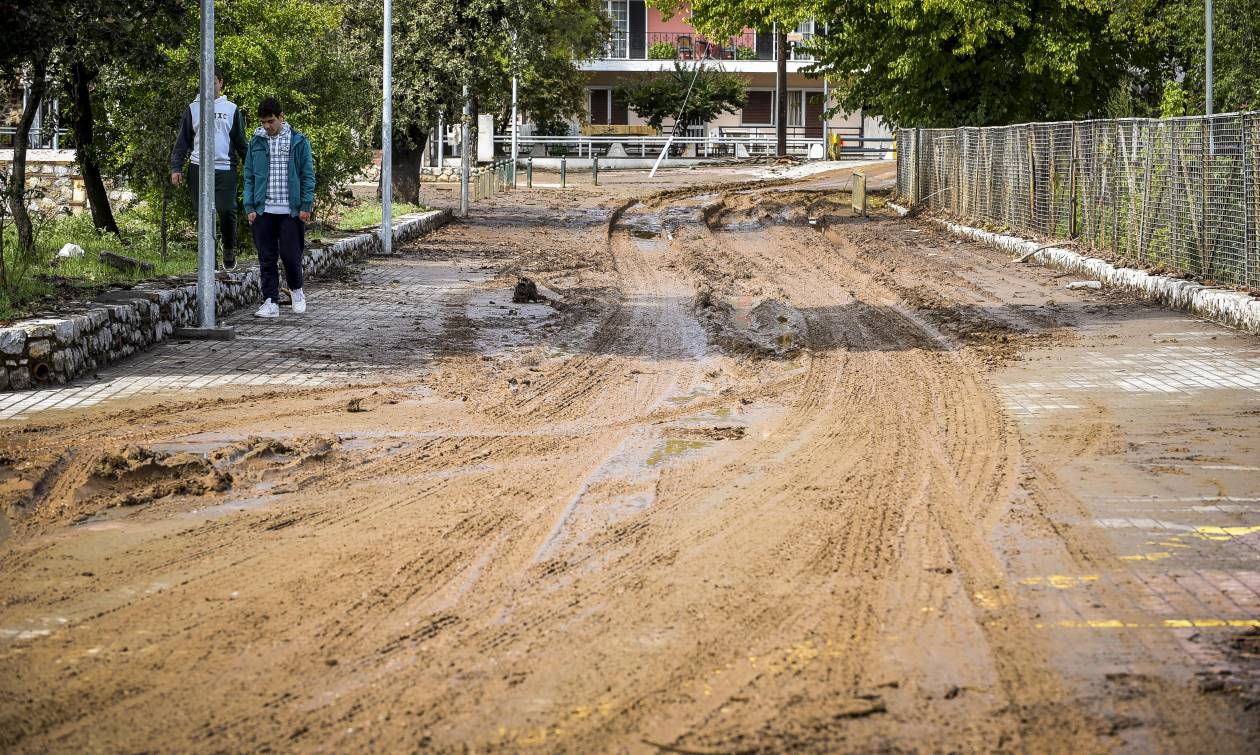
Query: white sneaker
{"x": 268, "y": 309}
{"x": 299, "y": 301}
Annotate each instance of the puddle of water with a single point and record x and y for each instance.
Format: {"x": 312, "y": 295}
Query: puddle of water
{"x": 643, "y": 233}
{"x": 230, "y": 507}
{"x": 675, "y": 447}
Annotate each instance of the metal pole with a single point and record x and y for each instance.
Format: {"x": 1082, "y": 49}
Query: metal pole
{"x": 441, "y": 140}
{"x": 516, "y": 126}
{"x": 594, "y": 169}
{"x": 387, "y": 135}
{"x": 1208, "y": 22}
{"x": 529, "y": 172}
{"x": 562, "y": 170}
{"x": 825, "y": 130}
{"x": 463, "y": 155}
{"x": 205, "y": 206}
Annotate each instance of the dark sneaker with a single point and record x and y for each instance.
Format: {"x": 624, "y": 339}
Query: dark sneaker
{"x": 229, "y": 259}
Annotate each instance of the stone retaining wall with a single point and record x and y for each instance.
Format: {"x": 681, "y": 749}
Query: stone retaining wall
{"x": 79, "y": 338}
{"x": 57, "y": 182}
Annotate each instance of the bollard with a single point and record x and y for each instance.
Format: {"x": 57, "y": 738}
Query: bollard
{"x": 562, "y": 169}
{"x": 529, "y": 172}
{"x": 594, "y": 169}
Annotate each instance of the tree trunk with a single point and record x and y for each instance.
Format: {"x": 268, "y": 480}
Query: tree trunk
{"x": 473, "y": 131}
{"x": 780, "y": 85}
{"x": 98, "y": 198}
{"x": 17, "y": 175}
{"x": 408, "y": 153}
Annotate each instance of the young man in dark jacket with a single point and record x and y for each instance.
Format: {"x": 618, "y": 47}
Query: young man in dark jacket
{"x": 229, "y": 147}
{"x": 279, "y": 194}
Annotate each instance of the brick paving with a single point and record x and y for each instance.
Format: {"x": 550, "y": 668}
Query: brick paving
{"x": 1171, "y": 477}
{"x": 372, "y": 320}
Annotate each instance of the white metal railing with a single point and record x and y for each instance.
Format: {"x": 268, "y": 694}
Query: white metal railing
{"x": 722, "y": 145}
{"x": 40, "y": 138}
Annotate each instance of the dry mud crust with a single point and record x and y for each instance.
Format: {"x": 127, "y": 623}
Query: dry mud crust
{"x": 656, "y": 543}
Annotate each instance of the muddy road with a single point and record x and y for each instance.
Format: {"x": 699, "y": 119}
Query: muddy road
{"x": 748, "y": 479}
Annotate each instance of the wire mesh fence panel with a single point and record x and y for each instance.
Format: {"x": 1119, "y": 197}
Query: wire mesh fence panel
{"x": 1251, "y": 197}
{"x": 1177, "y": 194}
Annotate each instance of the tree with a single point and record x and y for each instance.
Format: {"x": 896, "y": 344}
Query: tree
{"x": 955, "y": 62}
{"x": 25, "y": 50}
{"x": 96, "y": 34}
{"x": 295, "y": 51}
{"x": 726, "y": 18}
{"x": 705, "y": 91}
{"x": 439, "y": 46}
{"x": 1172, "y": 38}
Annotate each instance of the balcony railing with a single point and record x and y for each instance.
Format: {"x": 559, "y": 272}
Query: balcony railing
{"x": 696, "y": 46}
{"x": 678, "y": 46}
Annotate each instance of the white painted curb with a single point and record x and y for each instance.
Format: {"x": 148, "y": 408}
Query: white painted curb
{"x": 1234, "y": 308}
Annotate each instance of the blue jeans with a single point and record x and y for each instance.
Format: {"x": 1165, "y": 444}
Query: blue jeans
{"x": 278, "y": 237}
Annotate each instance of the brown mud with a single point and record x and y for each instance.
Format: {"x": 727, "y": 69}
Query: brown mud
{"x": 748, "y": 487}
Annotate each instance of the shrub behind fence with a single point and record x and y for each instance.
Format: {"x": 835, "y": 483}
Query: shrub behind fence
{"x": 1179, "y": 193}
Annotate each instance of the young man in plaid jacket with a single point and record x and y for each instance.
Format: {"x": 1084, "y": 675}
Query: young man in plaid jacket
{"x": 279, "y": 194}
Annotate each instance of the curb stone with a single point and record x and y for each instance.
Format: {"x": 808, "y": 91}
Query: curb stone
{"x": 82, "y": 337}
{"x": 1236, "y": 309}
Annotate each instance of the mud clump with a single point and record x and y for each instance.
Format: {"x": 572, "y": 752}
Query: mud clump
{"x": 767, "y": 328}
{"x": 139, "y": 475}
{"x": 526, "y": 291}
{"x": 257, "y": 451}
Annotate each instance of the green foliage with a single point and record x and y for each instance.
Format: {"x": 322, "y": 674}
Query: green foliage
{"x": 289, "y": 49}
{"x": 954, "y": 62}
{"x": 662, "y": 51}
{"x": 1174, "y": 102}
{"x": 657, "y": 98}
{"x": 1172, "y": 38}
{"x": 43, "y": 274}
{"x": 744, "y": 52}
{"x": 439, "y": 46}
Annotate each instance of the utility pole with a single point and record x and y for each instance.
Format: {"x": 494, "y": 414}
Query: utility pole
{"x": 463, "y": 155}
{"x": 780, "y": 92}
{"x": 387, "y": 135}
{"x": 827, "y": 102}
{"x": 206, "y": 293}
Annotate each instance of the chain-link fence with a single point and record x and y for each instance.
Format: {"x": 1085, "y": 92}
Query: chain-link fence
{"x": 1179, "y": 194}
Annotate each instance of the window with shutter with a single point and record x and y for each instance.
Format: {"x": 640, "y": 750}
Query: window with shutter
{"x": 759, "y": 109}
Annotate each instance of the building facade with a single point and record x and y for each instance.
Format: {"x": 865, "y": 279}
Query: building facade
{"x": 643, "y": 43}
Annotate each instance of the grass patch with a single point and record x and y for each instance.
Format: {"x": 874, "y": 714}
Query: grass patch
{"x": 368, "y": 215}
{"x": 43, "y": 280}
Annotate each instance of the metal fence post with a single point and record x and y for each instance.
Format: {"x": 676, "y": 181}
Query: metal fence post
{"x": 1251, "y": 257}
{"x": 594, "y": 169}
{"x": 529, "y": 172}
{"x": 1072, "y": 230}
{"x": 916, "y": 192}
{"x": 563, "y": 166}
{"x": 1204, "y": 257}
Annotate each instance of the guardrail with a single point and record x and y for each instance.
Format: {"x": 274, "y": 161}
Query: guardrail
{"x": 642, "y": 147}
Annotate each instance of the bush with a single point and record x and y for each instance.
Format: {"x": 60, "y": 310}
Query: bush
{"x": 662, "y": 51}
{"x": 744, "y": 52}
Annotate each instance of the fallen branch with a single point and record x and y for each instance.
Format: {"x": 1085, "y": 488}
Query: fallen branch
{"x": 125, "y": 263}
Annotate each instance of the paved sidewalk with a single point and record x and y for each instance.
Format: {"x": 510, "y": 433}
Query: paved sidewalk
{"x": 354, "y": 329}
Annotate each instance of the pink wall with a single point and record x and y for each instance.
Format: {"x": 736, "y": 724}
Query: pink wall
{"x": 676, "y": 25}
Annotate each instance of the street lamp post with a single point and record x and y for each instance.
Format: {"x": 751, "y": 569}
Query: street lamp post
{"x": 387, "y": 135}
{"x": 206, "y": 289}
